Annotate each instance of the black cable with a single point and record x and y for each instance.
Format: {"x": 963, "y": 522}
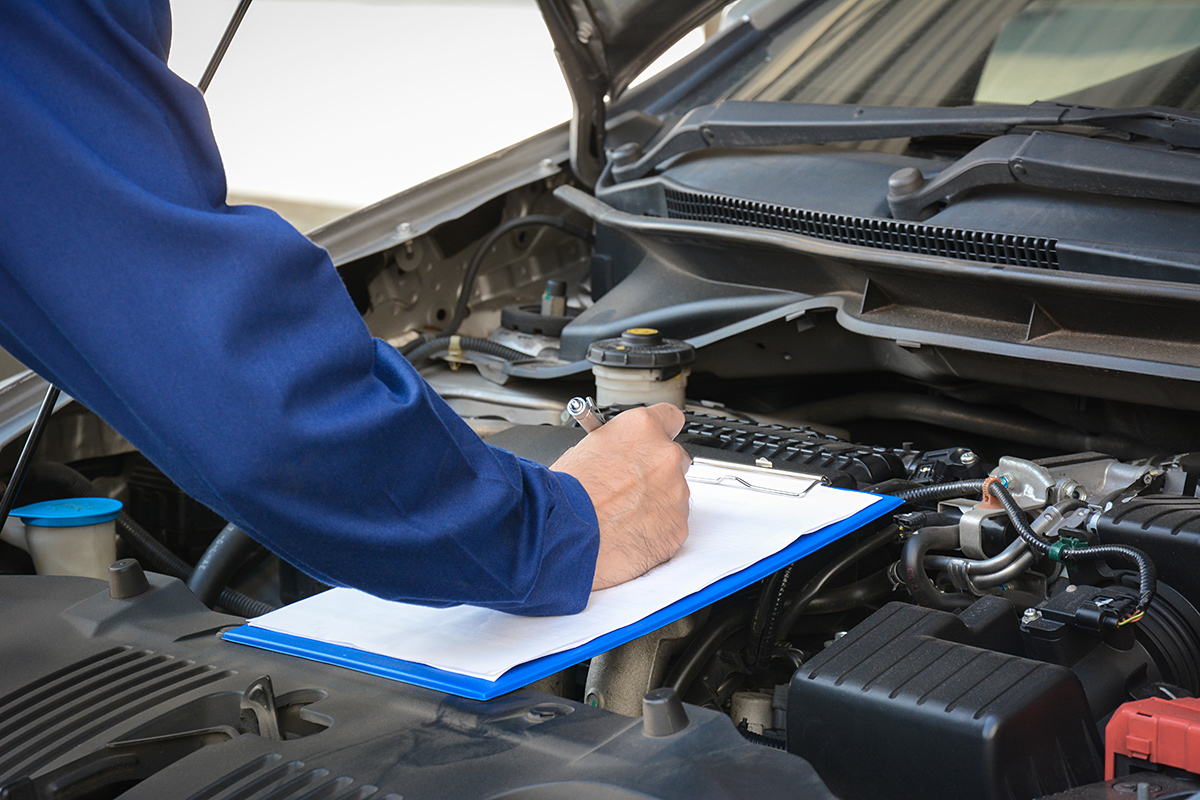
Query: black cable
{"x": 468, "y": 344}
{"x": 941, "y": 491}
{"x": 234, "y": 22}
{"x": 1147, "y": 574}
{"x": 221, "y": 559}
{"x": 243, "y": 605}
{"x": 31, "y": 443}
{"x": 758, "y": 738}
{"x": 468, "y": 284}
{"x": 766, "y": 613}
{"x": 817, "y": 583}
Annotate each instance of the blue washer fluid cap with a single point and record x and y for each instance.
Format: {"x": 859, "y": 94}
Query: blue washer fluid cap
{"x": 72, "y": 513}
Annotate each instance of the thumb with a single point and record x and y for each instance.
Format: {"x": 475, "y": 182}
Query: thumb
{"x": 667, "y": 417}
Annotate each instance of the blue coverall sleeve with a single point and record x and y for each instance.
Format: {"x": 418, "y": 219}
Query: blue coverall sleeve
{"x": 222, "y": 344}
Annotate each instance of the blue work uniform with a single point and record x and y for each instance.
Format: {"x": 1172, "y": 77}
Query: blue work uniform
{"x": 223, "y": 345}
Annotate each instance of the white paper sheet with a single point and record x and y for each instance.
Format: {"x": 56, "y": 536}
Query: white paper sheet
{"x": 730, "y": 528}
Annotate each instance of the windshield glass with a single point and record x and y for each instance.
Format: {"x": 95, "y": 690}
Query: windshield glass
{"x": 1116, "y": 53}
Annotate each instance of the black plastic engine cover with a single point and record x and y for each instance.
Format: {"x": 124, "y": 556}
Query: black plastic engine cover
{"x": 915, "y": 702}
{"x": 141, "y": 698}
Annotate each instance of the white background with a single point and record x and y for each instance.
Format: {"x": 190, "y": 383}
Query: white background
{"x": 344, "y": 102}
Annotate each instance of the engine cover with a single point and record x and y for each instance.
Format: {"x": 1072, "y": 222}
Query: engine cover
{"x": 141, "y": 698}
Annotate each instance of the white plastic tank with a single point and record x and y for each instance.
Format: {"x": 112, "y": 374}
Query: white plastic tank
{"x": 641, "y": 367}
{"x": 72, "y": 537}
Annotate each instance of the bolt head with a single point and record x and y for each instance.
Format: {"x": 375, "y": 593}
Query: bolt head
{"x": 1031, "y": 615}
{"x": 906, "y": 181}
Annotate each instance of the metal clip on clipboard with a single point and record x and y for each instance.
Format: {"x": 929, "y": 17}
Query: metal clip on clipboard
{"x": 761, "y": 467}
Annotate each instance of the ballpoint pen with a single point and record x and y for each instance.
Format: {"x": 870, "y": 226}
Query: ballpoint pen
{"x": 584, "y": 411}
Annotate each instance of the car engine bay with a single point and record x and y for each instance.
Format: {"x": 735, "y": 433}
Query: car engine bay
{"x": 975, "y": 643}
{"x": 1015, "y": 359}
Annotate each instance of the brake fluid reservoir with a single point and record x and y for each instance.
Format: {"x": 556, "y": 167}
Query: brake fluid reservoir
{"x": 641, "y": 367}
{"x": 72, "y": 537}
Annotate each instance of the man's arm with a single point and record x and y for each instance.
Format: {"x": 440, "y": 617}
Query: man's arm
{"x": 223, "y": 345}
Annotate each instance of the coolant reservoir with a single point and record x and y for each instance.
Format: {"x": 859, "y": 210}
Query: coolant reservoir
{"x": 641, "y": 367}
{"x": 72, "y": 537}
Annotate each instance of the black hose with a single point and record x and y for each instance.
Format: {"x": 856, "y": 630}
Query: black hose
{"x": 818, "y": 581}
{"x": 468, "y": 344}
{"x": 221, "y": 559}
{"x": 941, "y": 491}
{"x": 468, "y": 284}
{"x": 149, "y": 551}
{"x": 703, "y": 647}
{"x": 1147, "y": 574}
{"x": 912, "y": 563}
{"x": 844, "y": 598}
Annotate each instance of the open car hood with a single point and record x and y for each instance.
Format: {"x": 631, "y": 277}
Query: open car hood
{"x": 602, "y": 45}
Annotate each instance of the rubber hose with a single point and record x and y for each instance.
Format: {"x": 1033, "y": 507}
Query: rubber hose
{"x": 941, "y": 491}
{"x": 1147, "y": 574}
{"x": 844, "y": 598}
{"x": 469, "y": 344}
{"x": 703, "y": 647}
{"x": 912, "y": 563}
{"x": 818, "y": 581}
{"x": 149, "y": 551}
{"x": 220, "y": 560}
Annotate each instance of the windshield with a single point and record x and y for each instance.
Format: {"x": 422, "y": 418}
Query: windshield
{"x": 1114, "y": 53}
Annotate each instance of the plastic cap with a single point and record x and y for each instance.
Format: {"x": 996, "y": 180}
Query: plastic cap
{"x": 641, "y": 348}
{"x": 73, "y": 513}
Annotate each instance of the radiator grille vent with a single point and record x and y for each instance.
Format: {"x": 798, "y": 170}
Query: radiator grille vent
{"x": 988, "y": 247}
{"x": 46, "y": 718}
{"x": 267, "y": 778}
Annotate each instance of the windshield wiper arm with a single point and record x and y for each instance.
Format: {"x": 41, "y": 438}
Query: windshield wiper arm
{"x": 1052, "y": 161}
{"x": 740, "y": 124}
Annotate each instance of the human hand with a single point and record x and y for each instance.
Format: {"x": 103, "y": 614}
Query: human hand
{"x": 633, "y": 473}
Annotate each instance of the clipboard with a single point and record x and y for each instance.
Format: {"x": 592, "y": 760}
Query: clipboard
{"x": 523, "y": 674}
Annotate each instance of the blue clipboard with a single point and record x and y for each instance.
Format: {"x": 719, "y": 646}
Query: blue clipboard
{"x": 524, "y": 674}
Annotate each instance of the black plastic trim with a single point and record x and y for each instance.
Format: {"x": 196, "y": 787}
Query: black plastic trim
{"x": 987, "y": 247}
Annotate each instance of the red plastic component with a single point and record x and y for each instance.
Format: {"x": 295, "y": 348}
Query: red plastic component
{"x": 1164, "y": 732}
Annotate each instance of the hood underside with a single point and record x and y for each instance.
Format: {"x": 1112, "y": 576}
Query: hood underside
{"x": 602, "y": 45}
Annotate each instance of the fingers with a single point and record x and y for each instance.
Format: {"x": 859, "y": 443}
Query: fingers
{"x": 668, "y": 417}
